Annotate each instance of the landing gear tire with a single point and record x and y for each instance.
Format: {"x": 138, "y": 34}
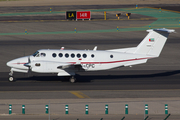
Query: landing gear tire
{"x": 11, "y": 79}
{"x": 72, "y": 79}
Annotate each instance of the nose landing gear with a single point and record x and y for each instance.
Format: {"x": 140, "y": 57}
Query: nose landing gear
{"x": 11, "y": 78}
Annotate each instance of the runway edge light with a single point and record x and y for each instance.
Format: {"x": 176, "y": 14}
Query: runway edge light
{"x": 46, "y": 109}
{"x": 50, "y": 10}
{"x": 126, "y": 108}
{"x": 166, "y": 108}
{"x": 25, "y": 31}
{"x": 23, "y": 109}
{"x": 160, "y": 10}
{"x": 146, "y": 108}
{"x": 10, "y": 109}
{"x": 87, "y": 109}
{"x": 106, "y": 109}
{"x": 149, "y": 26}
{"x": 66, "y": 109}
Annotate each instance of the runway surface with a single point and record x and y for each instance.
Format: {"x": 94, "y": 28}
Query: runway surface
{"x": 107, "y": 80}
{"x": 159, "y": 73}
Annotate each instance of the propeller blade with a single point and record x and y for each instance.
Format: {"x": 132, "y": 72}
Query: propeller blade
{"x": 28, "y": 64}
{"x": 29, "y": 72}
{"x": 29, "y": 60}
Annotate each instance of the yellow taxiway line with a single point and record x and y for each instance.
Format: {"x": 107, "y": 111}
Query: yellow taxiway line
{"x": 79, "y": 94}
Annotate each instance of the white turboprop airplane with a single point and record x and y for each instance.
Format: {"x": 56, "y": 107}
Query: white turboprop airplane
{"x": 68, "y": 62}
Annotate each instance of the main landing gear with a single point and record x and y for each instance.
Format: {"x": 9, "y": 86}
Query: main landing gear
{"x": 11, "y": 78}
{"x": 72, "y": 79}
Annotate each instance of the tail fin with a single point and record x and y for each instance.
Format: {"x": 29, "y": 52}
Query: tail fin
{"x": 154, "y": 42}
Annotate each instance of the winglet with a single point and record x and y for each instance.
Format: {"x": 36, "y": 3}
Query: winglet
{"x": 95, "y": 48}
{"x": 62, "y": 48}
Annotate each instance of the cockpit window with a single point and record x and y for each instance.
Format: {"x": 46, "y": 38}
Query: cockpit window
{"x": 43, "y": 54}
{"x": 36, "y": 54}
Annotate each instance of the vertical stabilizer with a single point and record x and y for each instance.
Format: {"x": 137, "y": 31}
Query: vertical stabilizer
{"x": 154, "y": 42}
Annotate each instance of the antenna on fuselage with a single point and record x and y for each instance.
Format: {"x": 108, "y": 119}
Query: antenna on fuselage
{"x": 95, "y": 48}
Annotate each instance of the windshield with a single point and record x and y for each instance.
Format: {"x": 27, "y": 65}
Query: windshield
{"x": 35, "y": 53}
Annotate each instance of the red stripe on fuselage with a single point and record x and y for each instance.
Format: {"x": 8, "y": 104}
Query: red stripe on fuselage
{"x": 19, "y": 63}
{"x": 111, "y": 61}
{"x": 103, "y": 62}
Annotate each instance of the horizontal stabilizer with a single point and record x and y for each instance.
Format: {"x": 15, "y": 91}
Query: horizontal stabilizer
{"x": 162, "y": 30}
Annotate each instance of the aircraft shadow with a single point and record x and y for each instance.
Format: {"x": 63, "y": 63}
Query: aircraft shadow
{"x": 108, "y": 77}
{"x": 89, "y": 78}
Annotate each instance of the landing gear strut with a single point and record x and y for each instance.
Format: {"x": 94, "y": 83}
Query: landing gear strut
{"x": 72, "y": 79}
{"x": 11, "y": 78}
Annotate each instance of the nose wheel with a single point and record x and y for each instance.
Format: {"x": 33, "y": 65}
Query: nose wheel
{"x": 72, "y": 79}
{"x": 11, "y": 78}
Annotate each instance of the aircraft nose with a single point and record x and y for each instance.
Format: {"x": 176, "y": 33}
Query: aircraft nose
{"x": 9, "y": 63}
{"x": 18, "y": 63}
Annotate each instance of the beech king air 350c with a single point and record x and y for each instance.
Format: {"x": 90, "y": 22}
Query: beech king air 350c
{"x": 68, "y": 62}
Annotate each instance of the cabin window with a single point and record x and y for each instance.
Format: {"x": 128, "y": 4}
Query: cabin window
{"x": 66, "y": 55}
{"x": 78, "y": 55}
{"x": 111, "y": 56}
{"x": 60, "y": 55}
{"x": 54, "y": 54}
{"x": 92, "y": 55}
{"x": 72, "y": 55}
{"x": 43, "y": 54}
{"x": 84, "y": 55}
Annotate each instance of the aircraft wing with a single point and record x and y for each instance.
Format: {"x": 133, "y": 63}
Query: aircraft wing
{"x": 70, "y": 66}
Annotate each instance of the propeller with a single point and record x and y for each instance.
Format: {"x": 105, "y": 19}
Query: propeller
{"x": 28, "y": 64}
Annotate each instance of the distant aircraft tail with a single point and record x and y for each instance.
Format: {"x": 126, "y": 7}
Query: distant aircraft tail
{"x": 154, "y": 42}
